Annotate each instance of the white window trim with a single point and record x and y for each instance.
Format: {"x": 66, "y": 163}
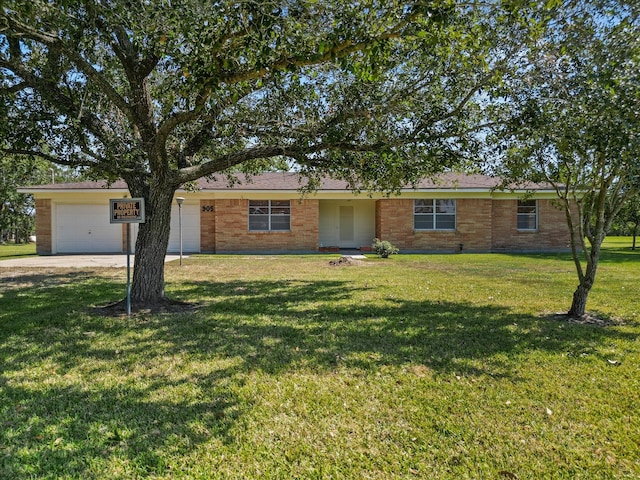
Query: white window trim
{"x": 536, "y": 214}
{"x": 269, "y": 217}
{"x": 435, "y": 215}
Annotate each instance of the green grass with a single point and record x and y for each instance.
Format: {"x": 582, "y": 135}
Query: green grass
{"x": 419, "y": 366}
{"x": 12, "y": 250}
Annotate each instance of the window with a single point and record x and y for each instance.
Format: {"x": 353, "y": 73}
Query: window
{"x": 432, "y": 214}
{"x": 269, "y": 215}
{"x": 527, "y": 215}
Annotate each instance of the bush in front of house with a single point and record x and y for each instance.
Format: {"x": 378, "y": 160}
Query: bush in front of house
{"x": 383, "y": 248}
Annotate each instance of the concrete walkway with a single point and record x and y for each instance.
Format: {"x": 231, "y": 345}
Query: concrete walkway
{"x": 74, "y": 261}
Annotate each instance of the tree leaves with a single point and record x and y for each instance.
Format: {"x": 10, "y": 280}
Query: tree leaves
{"x": 129, "y": 71}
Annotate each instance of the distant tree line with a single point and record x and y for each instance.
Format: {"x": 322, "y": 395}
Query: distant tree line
{"x": 17, "y": 210}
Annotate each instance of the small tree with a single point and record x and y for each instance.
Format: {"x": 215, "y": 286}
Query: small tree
{"x": 575, "y": 123}
{"x": 630, "y": 215}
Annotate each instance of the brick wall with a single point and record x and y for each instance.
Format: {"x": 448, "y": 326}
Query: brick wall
{"x": 231, "y": 229}
{"x": 482, "y": 225}
{"x": 394, "y": 222}
{"x": 552, "y": 233}
{"x": 208, "y": 226}
{"x": 43, "y": 227}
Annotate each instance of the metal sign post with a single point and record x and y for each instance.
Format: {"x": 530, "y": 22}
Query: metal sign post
{"x": 128, "y": 269}
{"x": 180, "y": 201}
{"x": 127, "y": 210}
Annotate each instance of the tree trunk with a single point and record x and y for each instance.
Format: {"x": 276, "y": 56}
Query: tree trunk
{"x": 579, "y": 303}
{"x": 635, "y": 234}
{"x": 147, "y": 288}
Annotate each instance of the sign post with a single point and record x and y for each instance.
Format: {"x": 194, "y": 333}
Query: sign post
{"x": 127, "y": 210}
{"x": 180, "y": 201}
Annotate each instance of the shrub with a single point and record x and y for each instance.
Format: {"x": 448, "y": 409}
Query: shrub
{"x": 383, "y": 248}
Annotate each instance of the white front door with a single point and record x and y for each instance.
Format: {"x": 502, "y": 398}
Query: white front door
{"x": 347, "y": 224}
{"x": 346, "y": 227}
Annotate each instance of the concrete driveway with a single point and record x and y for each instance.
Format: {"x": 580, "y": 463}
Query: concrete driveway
{"x": 77, "y": 261}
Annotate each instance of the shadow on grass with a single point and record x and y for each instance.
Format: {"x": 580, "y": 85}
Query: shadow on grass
{"x": 105, "y": 388}
{"x": 62, "y": 431}
{"x": 313, "y": 324}
{"x": 29, "y": 300}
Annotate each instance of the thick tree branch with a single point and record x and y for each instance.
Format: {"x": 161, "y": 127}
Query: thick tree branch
{"x": 300, "y": 153}
{"x": 53, "y": 41}
{"x": 206, "y": 132}
{"x": 167, "y": 127}
{"x": 224, "y": 162}
{"x": 45, "y": 156}
{"x": 18, "y": 87}
{"x": 286, "y": 63}
{"x": 62, "y": 101}
{"x": 147, "y": 64}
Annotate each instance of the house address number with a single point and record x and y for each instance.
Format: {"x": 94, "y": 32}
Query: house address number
{"x": 207, "y": 208}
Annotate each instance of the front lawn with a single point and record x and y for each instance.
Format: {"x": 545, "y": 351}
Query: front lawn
{"x": 12, "y": 250}
{"x": 418, "y": 366}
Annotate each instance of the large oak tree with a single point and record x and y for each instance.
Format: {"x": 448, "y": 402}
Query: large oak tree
{"x": 160, "y": 93}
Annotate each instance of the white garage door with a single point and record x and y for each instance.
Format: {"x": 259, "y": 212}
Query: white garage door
{"x": 86, "y": 229}
{"x": 190, "y": 229}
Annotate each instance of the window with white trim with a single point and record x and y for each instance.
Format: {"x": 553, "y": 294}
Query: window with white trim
{"x": 269, "y": 215}
{"x": 434, "y": 214}
{"x": 527, "y": 215}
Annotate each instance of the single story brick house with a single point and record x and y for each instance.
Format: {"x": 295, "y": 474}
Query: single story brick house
{"x": 268, "y": 214}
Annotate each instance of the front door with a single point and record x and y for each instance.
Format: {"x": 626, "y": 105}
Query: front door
{"x": 347, "y": 237}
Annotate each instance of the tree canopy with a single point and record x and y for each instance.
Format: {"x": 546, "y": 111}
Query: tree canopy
{"x": 128, "y": 88}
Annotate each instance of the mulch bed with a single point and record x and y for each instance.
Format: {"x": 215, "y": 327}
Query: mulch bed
{"x": 586, "y": 319}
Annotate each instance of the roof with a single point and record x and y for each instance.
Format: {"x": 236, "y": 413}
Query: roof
{"x": 291, "y": 181}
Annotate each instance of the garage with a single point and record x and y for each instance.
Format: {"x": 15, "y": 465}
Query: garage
{"x": 86, "y": 229}
{"x": 190, "y": 229}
